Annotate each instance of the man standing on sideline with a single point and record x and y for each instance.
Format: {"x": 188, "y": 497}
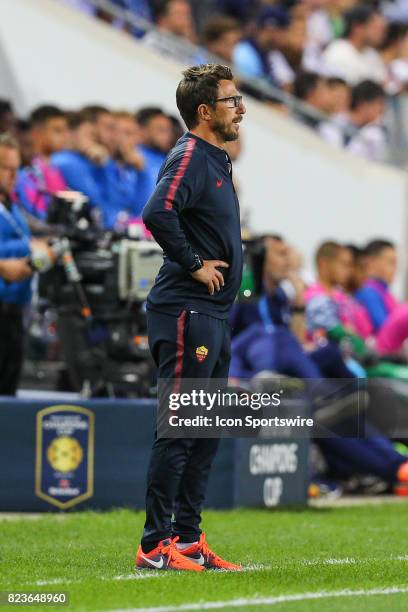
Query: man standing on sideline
{"x": 15, "y": 273}
{"x": 194, "y": 216}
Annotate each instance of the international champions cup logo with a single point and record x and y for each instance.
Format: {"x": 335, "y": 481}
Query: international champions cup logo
{"x": 64, "y": 470}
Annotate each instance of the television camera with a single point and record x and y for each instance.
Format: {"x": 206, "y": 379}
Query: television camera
{"x": 97, "y": 283}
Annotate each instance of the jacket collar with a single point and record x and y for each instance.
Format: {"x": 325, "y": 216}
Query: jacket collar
{"x": 207, "y": 145}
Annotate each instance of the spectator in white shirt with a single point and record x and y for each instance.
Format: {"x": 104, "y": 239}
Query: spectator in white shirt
{"x": 333, "y": 130}
{"x": 355, "y": 57}
{"x": 363, "y": 134}
{"x": 259, "y": 56}
{"x": 394, "y": 53}
{"x": 319, "y": 32}
{"x": 311, "y": 88}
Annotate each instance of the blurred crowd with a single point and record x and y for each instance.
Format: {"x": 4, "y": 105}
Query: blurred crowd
{"x": 111, "y": 157}
{"x": 340, "y": 325}
{"x": 318, "y": 50}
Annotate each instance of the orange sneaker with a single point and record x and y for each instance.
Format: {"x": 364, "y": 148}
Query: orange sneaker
{"x": 165, "y": 557}
{"x": 401, "y": 486}
{"x": 402, "y": 474}
{"x": 202, "y": 555}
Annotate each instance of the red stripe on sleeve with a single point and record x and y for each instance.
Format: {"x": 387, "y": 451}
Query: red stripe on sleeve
{"x": 181, "y": 170}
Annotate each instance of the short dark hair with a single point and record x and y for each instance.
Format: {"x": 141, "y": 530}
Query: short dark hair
{"x": 93, "y": 111}
{"x": 396, "y": 31}
{"x": 366, "y": 91}
{"x": 375, "y": 247}
{"x": 355, "y": 250}
{"x": 327, "y": 250}
{"x": 305, "y": 83}
{"x": 199, "y": 86}
{"x": 336, "y": 81}
{"x": 356, "y": 16}
{"x": 44, "y": 113}
{"x": 218, "y": 26}
{"x": 147, "y": 113}
{"x": 23, "y": 126}
{"x": 75, "y": 119}
{"x": 265, "y": 237}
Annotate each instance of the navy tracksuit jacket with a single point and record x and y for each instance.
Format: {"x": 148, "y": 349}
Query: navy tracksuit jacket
{"x": 193, "y": 210}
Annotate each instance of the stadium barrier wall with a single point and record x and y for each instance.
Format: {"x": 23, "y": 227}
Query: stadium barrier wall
{"x": 289, "y": 181}
{"x": 62, "y": 455}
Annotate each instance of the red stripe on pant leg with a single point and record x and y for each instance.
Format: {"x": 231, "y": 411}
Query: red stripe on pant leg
{"x": 180, "y": 351}
{"x": 181, "y": 170}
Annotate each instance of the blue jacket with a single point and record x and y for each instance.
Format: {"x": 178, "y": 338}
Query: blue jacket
{"x": 194, "y": 210}
{"x": 110, "y": 187}
{"x": 148, "y": 176}
{"x": 263, "y": 341}
{"x": 374, "y": 303}
{"x": 245, "y": 314}
{"x": 252, "y": 62}
{"x": 119, "y": 185}
{"x": 78, "y": 172}
{"x": 14, "y": 244}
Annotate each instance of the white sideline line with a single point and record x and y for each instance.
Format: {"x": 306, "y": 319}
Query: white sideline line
{"x": 139, "y": 575}
{"x": 135, "y": 576}
{"x": 268, "y": 601}
{"x": 247, "y": 568}
{"x": 346, "y": 561}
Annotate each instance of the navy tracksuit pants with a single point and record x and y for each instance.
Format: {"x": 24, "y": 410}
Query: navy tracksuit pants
{"x": 179, "y": 468}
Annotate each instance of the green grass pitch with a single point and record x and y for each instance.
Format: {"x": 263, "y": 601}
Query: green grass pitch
{"x": 307, "y": 560}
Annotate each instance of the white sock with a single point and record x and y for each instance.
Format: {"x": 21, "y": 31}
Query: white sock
{"x": 184, "y": 545}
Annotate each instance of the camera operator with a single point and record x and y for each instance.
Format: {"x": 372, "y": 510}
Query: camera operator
{"x": 15, "y": 271}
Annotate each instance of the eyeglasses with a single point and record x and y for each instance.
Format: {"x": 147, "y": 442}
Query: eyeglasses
{"x": 236, "y": 101}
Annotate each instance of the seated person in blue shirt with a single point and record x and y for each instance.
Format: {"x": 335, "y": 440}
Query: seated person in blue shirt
{"x": 38, "y": 181}
{"x": 259, "y": 56}
{"x": 381, "y": 265}
{"x": 253, "y": 323}
{"x": 157, "y": 140}
{"x": 89, "y": 166}
{"x": 126, "y": 170}
{"x": 263, "y": 341}
{"x": 137, "y": 8}
{"x": 77, "y": 164}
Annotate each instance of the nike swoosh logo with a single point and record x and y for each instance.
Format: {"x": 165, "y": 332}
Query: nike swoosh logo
{"x": 156, "y": 564}
{"x": 199, "y": 560}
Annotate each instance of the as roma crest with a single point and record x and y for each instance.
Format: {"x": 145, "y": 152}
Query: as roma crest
{"x": 64, "y": 466}
{"x": 201, "y": 353}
